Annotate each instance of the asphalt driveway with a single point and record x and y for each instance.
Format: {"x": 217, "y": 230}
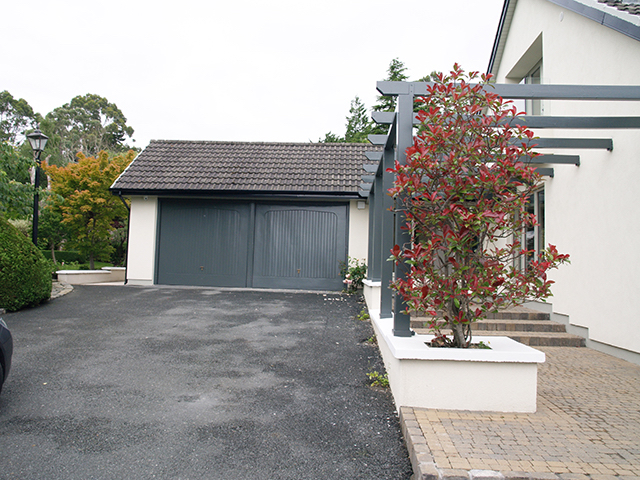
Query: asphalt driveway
{"x": 193, "y": 383}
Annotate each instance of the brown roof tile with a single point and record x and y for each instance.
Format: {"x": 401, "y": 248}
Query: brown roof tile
{"x": 197, "y": 166}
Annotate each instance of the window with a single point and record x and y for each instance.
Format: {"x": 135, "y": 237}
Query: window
{"x": 531, "y": 107}
{"x": 533, "y": 236}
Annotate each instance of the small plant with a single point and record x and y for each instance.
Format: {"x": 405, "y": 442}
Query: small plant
{"x": 363, "y": 315}
{"x": 354, "y": 272}
{"x": 377, "y": 379}
{"x": 372, "y": 339}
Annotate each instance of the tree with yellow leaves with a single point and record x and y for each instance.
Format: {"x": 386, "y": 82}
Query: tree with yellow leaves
{"x": 80, "y": 193}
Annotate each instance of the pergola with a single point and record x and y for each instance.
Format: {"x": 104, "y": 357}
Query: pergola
{"x": 385, "y": 225}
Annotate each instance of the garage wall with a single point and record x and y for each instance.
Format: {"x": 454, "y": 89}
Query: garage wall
{"x": 359, "y": 230}
{"x": 141, "y": 252}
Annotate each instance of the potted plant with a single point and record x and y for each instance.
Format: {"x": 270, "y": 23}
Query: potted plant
{"x": 463, "y": 192}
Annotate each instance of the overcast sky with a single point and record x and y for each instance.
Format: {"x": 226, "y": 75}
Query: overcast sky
{"x": 253, "y": 70}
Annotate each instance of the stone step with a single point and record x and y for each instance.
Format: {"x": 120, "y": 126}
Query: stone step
{"x": 505, "y": 325}
{"x": 522, "y": 324}
{"x": 533, "y": 339}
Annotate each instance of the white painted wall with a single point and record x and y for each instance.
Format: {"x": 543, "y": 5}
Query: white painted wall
{"x": 591, "y": 210}
{"x": 359, "y": 230}
{"x": 142, "y": 241}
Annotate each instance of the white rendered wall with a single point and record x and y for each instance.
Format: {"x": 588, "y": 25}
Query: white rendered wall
{"x": 358, "y": 230}
{"x": 592, "y": 210}
{"x": 142, "y": 241}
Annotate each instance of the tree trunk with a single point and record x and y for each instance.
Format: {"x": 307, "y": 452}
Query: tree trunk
{"x": 459, "y": 338}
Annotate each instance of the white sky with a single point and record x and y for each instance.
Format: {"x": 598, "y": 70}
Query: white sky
{"x": 242, "y": 70}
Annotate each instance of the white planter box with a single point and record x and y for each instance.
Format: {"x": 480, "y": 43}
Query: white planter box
{"x": 82, "y": 277}
{"x": 503, "y": 379}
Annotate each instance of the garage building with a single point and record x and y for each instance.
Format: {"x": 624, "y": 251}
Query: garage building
{"x": 236, "y": 214}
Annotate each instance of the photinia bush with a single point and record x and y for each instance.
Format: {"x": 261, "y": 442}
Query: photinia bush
{"x": 463, "y": 191}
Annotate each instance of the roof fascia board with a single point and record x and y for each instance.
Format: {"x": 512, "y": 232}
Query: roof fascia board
{"x": 237, "y": 195}
{"x": 503, "y": 29}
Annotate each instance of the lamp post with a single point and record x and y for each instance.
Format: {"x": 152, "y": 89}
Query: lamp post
{"x": 38, "y": 140}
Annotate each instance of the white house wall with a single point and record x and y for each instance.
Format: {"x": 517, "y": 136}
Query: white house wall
{"x": 142, "y": 241}
{"x": 591, "y": 210}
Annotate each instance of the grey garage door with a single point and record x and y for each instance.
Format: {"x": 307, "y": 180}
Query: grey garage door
{"x": 234, "y": 244}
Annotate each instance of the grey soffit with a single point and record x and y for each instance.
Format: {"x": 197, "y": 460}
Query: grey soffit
{"x": 200, "y": 166}
{"x": 630, "y": 6}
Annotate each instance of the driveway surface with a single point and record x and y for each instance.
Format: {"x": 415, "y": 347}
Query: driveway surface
{"x": 194, "y": 383}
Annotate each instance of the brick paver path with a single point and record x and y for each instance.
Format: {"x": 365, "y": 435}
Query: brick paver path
{"x": 587, "y": 425}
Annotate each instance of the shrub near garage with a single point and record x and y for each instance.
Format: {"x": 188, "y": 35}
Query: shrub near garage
{"x": 25, "y": 275}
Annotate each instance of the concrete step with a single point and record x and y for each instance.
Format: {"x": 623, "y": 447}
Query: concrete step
{"x": 506, "y": 325}
{"x": 522, "y": 324}
{"x": 533, "y": 339}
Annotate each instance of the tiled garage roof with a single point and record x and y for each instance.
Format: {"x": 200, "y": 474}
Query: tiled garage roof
{"x": 192, "y": 167}
{"x": 631, "y": 6}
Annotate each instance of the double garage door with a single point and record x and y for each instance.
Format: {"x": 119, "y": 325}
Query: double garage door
{"x": 251, "y": 244}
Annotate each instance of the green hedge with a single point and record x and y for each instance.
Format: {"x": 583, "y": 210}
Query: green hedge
{"x": 65, "y": 256}
{"x": 25, "y": 275}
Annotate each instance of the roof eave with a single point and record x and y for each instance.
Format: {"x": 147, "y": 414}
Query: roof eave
{"x": 231, "y": 194}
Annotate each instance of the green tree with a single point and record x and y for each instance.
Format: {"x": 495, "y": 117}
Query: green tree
{"x": 395, "y": 73}
{"x": 82, "y": 197}
{"x": 16, "y": 191}
{"x": 359, "y": 124}
{"x": 331, "y": 138}
{"x": 88, "y": 124}
{"x": 16, "y": 117}
{"x": 463, "y": 192}
{"x": 51, "y": 231}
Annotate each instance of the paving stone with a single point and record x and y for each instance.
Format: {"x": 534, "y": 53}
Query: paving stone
{"x": 517, "y": 475}
{"x": 454, "y": 474}
{"x": 586, "y": 425}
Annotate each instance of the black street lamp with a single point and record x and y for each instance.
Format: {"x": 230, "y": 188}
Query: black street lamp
{"x": 38, "y": 140}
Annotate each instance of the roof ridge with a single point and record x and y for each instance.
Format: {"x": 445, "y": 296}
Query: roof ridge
{"x": 237, "y": 142}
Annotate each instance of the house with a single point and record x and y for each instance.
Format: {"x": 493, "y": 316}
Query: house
{"x": 236, "y": 214}
{"x": 588, "y": 210}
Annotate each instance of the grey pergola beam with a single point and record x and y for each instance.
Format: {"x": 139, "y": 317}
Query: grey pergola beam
{"x": 548, "y": 172}
{"x": 383, "y": 118}
{"x": 378, "y": 139}
{"x": 604, "y": 123}
{"x": 366, "y": 186}
{"x": 557, "y": 159}
{"x": 528, "y": 92}
{"x": 587, "y": 143}
{"x": 370, "y": 168}
{"x": 542, "y": 121}
{"x": 373, "y": 156}
{"x": 368, "y": 178}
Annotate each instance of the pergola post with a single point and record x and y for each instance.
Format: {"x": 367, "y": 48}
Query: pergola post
{"x": 401, "y": 319}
